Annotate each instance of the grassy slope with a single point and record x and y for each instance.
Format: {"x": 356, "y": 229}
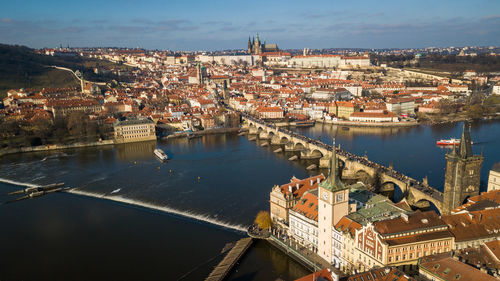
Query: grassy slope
{"x": 21, "y": 67}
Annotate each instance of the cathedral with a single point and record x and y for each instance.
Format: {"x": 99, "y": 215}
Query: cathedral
{"x": 255, "y": 47}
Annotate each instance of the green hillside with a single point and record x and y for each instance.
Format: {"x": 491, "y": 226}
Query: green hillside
{"x": 21, "y": 67}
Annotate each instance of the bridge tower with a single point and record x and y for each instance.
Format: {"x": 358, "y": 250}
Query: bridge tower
{"x": 333, "y": 204}
{"x": 463, "y": 173}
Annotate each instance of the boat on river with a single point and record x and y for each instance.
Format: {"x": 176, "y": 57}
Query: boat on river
{"x": 449, "y": 142}
{"x": 161, "y": 154}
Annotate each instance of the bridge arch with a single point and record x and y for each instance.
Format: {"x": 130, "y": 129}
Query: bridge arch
{"x": 316, "y": 153}
{"x": 426, "y": 205}
{"x": 299, "y": 146}
{"x": 391, "y": 189}
{"x": 284, "y": 140}
{"x": 364, "y": 176}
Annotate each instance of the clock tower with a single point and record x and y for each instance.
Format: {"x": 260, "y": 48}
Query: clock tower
{"x": 463, "y": 173}
{"x": 333, "y": 204}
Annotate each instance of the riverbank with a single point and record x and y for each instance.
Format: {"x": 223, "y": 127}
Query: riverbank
{"x": 49, "y": 147}
{"x": 370, "y": 124}
{"x": 430, "y": 119}
{"x": 201, "y": 133}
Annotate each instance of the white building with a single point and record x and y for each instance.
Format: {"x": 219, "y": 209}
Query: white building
{"x": 373, "y": 117}
{"x": 494, "y": 178}
{"x": 303, "y": 221}
{"x": 401, "y": 106}
{"x": 495, "y": 90}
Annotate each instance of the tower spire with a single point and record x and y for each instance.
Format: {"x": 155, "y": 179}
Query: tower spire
{"x": 333, "y": 163}
{"x": 465, "y": 147}
{"x": 333, "y": 182}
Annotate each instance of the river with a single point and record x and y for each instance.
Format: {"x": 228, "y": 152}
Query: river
{"x": 171, "y": 220}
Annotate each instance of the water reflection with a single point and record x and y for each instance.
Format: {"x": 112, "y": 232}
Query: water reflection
{"x": 135, "y": 151}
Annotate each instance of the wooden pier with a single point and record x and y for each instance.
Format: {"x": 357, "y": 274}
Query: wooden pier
{"x": 222, "y": 269}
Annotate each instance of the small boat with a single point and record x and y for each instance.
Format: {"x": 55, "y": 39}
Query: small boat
{"x": 161, "y": 154}
{"x": 449, "y": 142}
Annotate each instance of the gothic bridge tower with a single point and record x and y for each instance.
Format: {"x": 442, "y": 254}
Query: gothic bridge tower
{"x": 463, "y": 173}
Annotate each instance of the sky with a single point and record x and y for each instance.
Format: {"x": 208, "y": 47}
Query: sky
{"x": 194, "y": 25}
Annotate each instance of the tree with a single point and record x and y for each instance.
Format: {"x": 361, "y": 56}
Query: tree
{"x": 263, "y": 220}
{"x": 476, "y": 111}
{"x": 76, "y": 124}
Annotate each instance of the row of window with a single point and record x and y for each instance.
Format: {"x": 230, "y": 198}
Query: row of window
{"x": 411, "y": 256}
{"x": 397, "y": 250}
{"x": 134, "y": 132}
{"x": 136, "y": 136}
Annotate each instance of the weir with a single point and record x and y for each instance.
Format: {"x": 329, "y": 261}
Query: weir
{"x": 151, "y": 206}
{"x": 165, "y": 209}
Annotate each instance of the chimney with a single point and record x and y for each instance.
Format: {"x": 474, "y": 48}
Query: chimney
{"x": 290, "y": 188}
{"x": 318, "y": 179}
{"x": 311, "y": 182}
{"x": 297, "y": 185}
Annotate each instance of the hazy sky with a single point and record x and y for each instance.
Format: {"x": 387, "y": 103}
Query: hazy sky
{"x": 217, "y": 25}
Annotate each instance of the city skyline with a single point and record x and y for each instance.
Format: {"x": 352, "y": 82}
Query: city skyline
{"x": 219, "y": 25}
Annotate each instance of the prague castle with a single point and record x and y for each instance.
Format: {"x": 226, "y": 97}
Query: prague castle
{"x": 255, "y": 47}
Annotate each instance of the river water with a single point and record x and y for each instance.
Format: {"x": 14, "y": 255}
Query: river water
{"x": 134, "y": 218}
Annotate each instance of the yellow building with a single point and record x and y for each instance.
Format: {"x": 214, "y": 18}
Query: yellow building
{"x": 343, "y": 109}
{"x": 133, "y": 130}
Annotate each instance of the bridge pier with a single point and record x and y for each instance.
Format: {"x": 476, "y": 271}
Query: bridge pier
{"x": 308, "y": 155}
{"x": 263, "y": 135}
{"x": 290, "y": 147}
{"x": 324, "y": 162}
{"x": 276, "y": 140}
{"x": 253, "y": 131}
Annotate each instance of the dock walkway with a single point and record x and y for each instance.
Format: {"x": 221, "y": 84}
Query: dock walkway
{"x": 223, "y": 268}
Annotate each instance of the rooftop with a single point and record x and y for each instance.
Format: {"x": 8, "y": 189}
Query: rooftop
{"x": 445, "y": 267}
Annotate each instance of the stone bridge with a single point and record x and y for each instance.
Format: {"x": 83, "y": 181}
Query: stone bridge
{"x": 417, "y": 194}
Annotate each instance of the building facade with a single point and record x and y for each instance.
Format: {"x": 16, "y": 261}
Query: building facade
{"x": 304, "y": 221}
{"x": 494, "y": 178}
{"x": 134, "y": 130}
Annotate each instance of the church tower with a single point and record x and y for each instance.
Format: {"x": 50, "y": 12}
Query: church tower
{"x": 249, "y": 46}
{"x": 333, "y": 204}
{"x": 463, "y": 173}
{"x": 257, "y": 48}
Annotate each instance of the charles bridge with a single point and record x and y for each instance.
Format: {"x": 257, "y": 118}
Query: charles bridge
{"x": 417, "y": 193}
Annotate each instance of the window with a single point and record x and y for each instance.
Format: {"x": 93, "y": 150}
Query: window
{"x": 340, "y": 197}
